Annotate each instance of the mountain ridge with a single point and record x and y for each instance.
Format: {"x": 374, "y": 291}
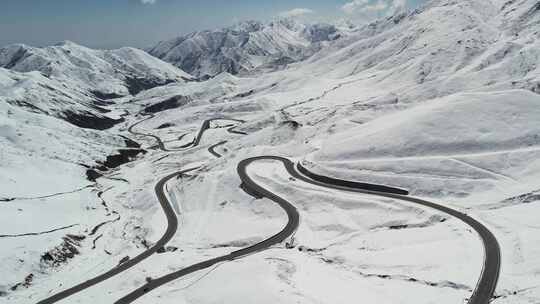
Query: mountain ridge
{"x": 246, "y": 46}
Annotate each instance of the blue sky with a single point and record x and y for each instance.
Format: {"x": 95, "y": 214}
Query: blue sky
{"x": 115, "y": 23}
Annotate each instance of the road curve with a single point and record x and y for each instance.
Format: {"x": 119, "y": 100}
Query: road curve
{"x": 212, "y": 149}
{"x": 196, "y": 141}
{"x": 160, "y": 143}
{"x": 172, "y": 225}
{"x": 487, "y": 282}
{"x": 253, "y": 188}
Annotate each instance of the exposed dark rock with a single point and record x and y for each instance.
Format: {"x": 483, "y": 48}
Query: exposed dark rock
{"x": 321, "y": 32}
{"x": 124, "y": 156}
{"x": 204, "y": 77}
{"x": 130, "y": 143}
{"x": 293, "y": 124}
{"x": 92, "y": 175}
{"x": 147, "y": 244}
{"x": 166, "y": 125}
{"x": 137, "y": 85}
{"x": 63, "y": 252}
{"x": 171, "y": 103}
{"x": 535, "y": 8}
{"x": 244, "y": 94}
{"x": 18, "y": 56}
{"x": 524, "y": 198}
{"x": 113, "y": 161}
{"x": 97, "y": 227}
{"x": 30, "y": 107}
{"x": 94, "y": 242}
{"x": 36, "y": 233}
{"x": 507, "y": 3}
{"x": 90, "y": 121}
{"x": 27, "y": 282}
{"x": 100, "y": 109}
{"x": 167, "y": 249}
{"x": 398, "y": 227}
{"x": 105, "y": 96}
{"x": 311, "y": 250}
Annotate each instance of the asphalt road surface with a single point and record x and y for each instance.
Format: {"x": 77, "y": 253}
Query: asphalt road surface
{"x": 212, "y": 149}
{"x": 196, "y": 141}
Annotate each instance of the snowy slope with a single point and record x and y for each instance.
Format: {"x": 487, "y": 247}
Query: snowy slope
{"x": 43, "y": 164}
{"x": 245, "y": 46}
{"x": 75, "y": 83}
{"x": 36, "y": 93}
{"x": 444, "y": 139}
{"x": 104, "y": 73}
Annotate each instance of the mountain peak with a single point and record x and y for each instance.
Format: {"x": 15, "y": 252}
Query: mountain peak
{"x": 245, "y": 46}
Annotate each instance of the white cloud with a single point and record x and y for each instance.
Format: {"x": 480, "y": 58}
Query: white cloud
{"x": 296, "y": 12}
{"x": 373, "y": 7}
{"x": 351, "y": 7}
{"x": 148, "y": 1}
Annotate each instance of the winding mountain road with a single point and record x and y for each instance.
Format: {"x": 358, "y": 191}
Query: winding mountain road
{"x": 196, "y": 141}
{"x": 172, "y": 221}
{"x": 482, "y": 294}
{"x": 212, "y": 149}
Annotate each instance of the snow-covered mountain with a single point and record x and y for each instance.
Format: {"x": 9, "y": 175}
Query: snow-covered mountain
{"x": 37, "y": 93}
{"x": 73, "y": 82}
{"x": 441, "y": 48}
{"x": 105, "y": 73}
{"x": 246, "y": 46}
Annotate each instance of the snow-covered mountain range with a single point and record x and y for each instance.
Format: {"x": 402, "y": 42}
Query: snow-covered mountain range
{"x": 74, "y": 82}
{"x": 247, "y": 46}
{"x": 111, "y": 73}
{"x": 441, "y": 101}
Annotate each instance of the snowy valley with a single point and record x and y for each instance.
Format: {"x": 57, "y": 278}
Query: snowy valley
{"x": 281, "y": 162}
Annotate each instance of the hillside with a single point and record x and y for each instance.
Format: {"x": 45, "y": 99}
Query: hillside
{"x": 76, "y": 83}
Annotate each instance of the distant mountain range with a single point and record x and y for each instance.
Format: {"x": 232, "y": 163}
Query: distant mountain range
{"x": 74, "y": 82}
{"x": 246, "y": 47}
